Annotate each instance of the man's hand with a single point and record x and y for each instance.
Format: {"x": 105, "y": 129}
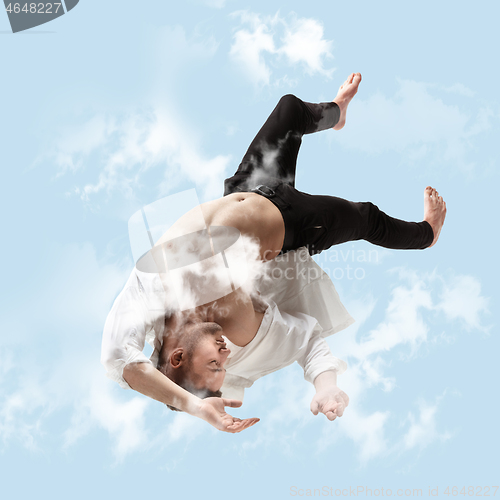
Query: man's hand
{"x": 212, "y": 410}
{"x": 329, "y": 399}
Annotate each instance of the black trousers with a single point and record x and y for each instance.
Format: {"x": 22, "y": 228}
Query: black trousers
{"x": 315, "y": 221}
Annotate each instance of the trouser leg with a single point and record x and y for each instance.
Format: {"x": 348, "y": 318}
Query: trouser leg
{"x": 315, "y": 221}
{"x": 320, "y": 222}
{"x": 272, "y": 155}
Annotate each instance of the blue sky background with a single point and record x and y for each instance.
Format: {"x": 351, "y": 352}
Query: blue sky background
{"x": 119, "y": 103}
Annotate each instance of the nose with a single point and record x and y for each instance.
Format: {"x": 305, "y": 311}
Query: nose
{"x": 224, "y": 353}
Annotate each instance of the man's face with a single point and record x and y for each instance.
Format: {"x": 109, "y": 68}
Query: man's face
{"x": 207, "y": 354}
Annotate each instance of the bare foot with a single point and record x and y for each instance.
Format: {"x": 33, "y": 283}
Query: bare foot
{"x": 434, "y": 211}
{"x": 346, "y": 92}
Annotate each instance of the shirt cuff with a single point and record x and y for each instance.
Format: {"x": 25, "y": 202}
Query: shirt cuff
{"x": 114, "y": 370}
{"x": 324, "y": 364}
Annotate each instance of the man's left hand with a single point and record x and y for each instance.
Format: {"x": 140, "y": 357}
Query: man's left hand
{"x": 331, "y": 401}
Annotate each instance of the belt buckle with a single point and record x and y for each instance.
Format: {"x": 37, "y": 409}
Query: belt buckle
{"x": 264, "y": 191}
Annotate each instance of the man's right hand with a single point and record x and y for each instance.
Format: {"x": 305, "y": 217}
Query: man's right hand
{"x": 212, "y": 411}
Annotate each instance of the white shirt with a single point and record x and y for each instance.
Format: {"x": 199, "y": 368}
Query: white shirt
{"x": 303, "y": 308}
{"x": 281, "y": 339}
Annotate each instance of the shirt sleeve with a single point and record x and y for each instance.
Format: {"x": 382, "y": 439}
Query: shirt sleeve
{"x": 317, "y": 357}
{"x": 124, "y": 334}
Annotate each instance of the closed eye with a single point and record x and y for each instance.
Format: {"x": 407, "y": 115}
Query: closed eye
{"x": 218, "y": 365}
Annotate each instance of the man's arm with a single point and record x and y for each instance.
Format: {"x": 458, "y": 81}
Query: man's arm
{"x": 321, "y": 368}
{"x": 123, "y": 341}
{"x": 147, "y": 380}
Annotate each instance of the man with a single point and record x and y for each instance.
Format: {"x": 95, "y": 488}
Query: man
{"x": 260, "y": 202}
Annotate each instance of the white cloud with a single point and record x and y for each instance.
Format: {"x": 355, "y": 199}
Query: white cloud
{"x": 268, "y": 40}
{"x": 249, "y": 47}
{"x": 97, "y": 406}
{"x": 184, "y": 427}
{"x": 79, "y": 289}
{"x": 55, "y": 365}
{"x": 414, "y": 298}
{"x": 403, "y": 323}
{"x": 303, "y": 42}
{"x": 408, "y": 324}
{"x": 460, "y": 89}
{"x": 461, "y": 299}
{"x": 415, "y": 301}
{"x": 422, "y": 430}
{"x": 56, "y": 358}
{"x": 282, "y": 402}
{"x": 416, "y": 122}
{"x": 79, "y": 141}
{"x": 114, "y": 150}
{"x": 135, "y": 143}
{"x": 17, "y": 420}
{"x": 367, "y": 431}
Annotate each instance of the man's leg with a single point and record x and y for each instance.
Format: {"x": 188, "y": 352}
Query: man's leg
{"x": 272, "y": 155}
{"x": 323, "y": 221}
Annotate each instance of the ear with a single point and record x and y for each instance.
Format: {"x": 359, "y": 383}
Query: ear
{"x": 177, "y": 357}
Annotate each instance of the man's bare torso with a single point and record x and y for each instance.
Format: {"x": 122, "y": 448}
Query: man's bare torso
{"x": 252, "y": 214}
{"x": 255, "y": 216}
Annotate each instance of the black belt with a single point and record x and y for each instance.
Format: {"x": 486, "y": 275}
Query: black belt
{"x": 282, "y": 206}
